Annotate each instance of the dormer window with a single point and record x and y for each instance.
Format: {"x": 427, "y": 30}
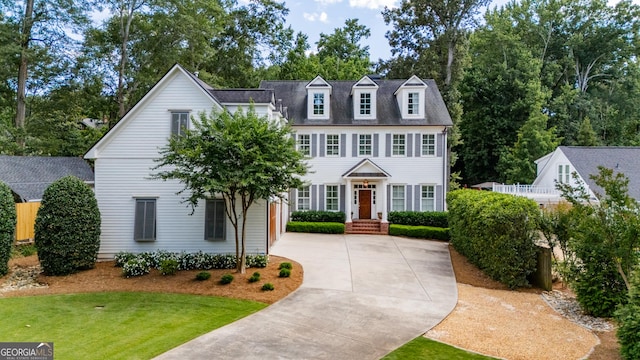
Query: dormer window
{"x": 411, "y": 98}
{"x": 363, "y": 94}
{"x": 413, "y": 103}
{"x": 318, "y": 99}
{"x": 318, "y": 104}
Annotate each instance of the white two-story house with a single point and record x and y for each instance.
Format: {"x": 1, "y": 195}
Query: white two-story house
{"x": 373, "y": 145}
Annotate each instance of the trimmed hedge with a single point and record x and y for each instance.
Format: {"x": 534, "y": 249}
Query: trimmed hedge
{"x": 316, "y": 227}
{"x": 7, "y": 226}
{"x": 496, "y": 232}
{"x": 190, "y": 261}
{"x": 318, "y": 216}
{"x": 67, "y": 229}
{"x": 423, "y": 232}
{"x": 419, "y": 218}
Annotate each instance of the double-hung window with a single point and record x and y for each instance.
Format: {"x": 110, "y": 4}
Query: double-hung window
{"x": 427, "y": 198}
{"x": 413, "y": 103}
{"x": 318, "y": 104}
{"x": 304, "y": 144}
{"x": 145, "y": 220}
{"x": 179, "y": 122}
{"x": 332, "y": 198}
{"x": 304, "y": 199}
{"x": 397, "y": 198}
{"x": 364, "y": 145}
{"x": 563, "y": 174}
{"x": 428, "y": 144}
{"x": 333, "y": 145}
{"x": 215, "y": 219}
{"x": 399, "y": 145}
{"x": 365, "y": 103}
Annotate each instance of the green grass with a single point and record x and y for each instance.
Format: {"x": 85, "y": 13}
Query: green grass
{"x": 116, "y": 325}
{"x": 423, "y": 348}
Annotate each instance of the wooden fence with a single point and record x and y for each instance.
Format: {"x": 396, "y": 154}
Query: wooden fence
{"x": 26, "y": 219}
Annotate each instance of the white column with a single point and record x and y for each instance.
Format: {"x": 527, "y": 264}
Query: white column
{"x": 348, "y": 200}
{"x": 384, "y": 200}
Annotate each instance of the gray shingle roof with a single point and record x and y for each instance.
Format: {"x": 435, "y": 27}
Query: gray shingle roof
{"x": 29, "y": 176}
{"x": 621, "y": 159}
{"x": 258, "y": 96}
{"x": 294, "y": 96}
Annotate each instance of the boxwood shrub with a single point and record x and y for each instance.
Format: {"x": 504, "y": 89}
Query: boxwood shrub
{"x": 316, "y": 227}
{"x": 7, "y": 226}
{"x": 423, "y": 232}
{"x": 420, "y": 218}
{"x": 318, "y": 216}
{"x": 496, "y": 232}
{"x": 67, "y": 228}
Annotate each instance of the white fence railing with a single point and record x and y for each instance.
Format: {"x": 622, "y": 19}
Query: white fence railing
{"x": 518, "y": 189}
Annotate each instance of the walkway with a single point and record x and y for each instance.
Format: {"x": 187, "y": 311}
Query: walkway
{"x": 362, "y": 297}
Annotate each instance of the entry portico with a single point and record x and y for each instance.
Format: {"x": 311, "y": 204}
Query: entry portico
{"x": 366, "y": 197}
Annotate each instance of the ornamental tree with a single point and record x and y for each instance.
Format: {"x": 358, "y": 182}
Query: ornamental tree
{"x": 241, "y": 156}
{"x": 7, "y": 226}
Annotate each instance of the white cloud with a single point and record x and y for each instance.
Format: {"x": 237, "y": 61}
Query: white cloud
{"x": 322, "y": 17}
{"x": 327, "y": 2}
{"x": 372, "y": 4}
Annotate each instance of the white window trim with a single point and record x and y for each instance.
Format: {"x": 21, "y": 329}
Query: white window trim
{"x": 404, "y": 196}
{"x": 404, "y": 153}
{"x": 326, "y": 145}
{"x": 298, "y": 144}
{"x": 179, "y": 112}
{"x": 326, "y": 103}
{"x": 423, "y": 198}
{"x": 370, "y": 145}
{"x": 435, "y": 145}
{"x": 326, "y": 197}
{"x": 421, "y": 103}
{"x": 563, "y": 175}
{"x": 357, "y": 102}
{"x": 308, "y": 198}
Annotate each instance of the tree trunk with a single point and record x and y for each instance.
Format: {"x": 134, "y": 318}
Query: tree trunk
{"x": 125, "y": 29}
{"x": 451, "y": 48}
{"x": 21, "y": 108}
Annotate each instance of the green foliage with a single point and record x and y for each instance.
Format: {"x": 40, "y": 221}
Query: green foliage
{"x": 67, "y": 227}
{"x": 586, "y": 135}
{"x": 496, "y": 232}
{"x": 226, "y": 279}
{"x": 191, "y": 261}
{"x": 268, "y": 287}
{"x": 285, "y": 265}
{"x": 255, "y": 277}
{"x": 136, "y": 267}
{"x": 556, "y": 224}
{"x": 242, "y": 156}
{"x": 628, "y": 317}
{"x": 318, "y": 216}
{"x": 123, "y": 257}
{"x": 314, "y": 227}
{"x": 169, "y": 267}
{"x": 603, "y": 244}
{"x": 203, "y": 275}
{"x": 284, "y": 273}
{"x": 7, "y": 226}
{"x": 23, "y": 250}
{"x": 422, "y": 232}
{"x": 419, "y": 218}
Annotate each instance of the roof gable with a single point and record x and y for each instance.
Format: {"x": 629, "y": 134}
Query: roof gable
{"x": 412, "y": 82}
{"x": 366, "y": 169}
{"x": 29, "y": 176}
{"x": 319, "y": 82}
{"x": 176, "y": 70}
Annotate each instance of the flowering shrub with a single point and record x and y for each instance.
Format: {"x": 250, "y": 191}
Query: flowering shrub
{"x": 190, "y": 261}
{"x": 123, "y": 257}
{"x": 136, "y": 267}
{"x": 257, "y": 261}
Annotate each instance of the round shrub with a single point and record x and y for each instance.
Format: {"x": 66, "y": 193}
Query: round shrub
{"x": 268, "y": 287}
{"x": 169, "y": 267}
{"x": 255, "y": 277}
{"x": 285, "y": 273}
{"x": 226, "y": 279}
{"x": 285, "y": 265}
{"x": 7, "y": 226}
{"x": 203, "y": 275}
{"x": 67, "y": 229}
{"x": 136, "y": 267}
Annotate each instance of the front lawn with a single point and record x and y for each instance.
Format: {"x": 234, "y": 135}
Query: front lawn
{"x": 423, "y": 348}
{"x": 116, "y": 325}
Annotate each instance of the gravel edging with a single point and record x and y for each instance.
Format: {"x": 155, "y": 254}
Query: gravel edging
{"x": 22, "y": 278}
{"x": 569, "y": 307}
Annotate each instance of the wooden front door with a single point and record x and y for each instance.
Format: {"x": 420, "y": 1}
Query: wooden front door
{"x": 364, "y": 210}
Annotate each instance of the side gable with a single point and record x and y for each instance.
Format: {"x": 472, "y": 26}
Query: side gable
{"x": 177, "y": 90}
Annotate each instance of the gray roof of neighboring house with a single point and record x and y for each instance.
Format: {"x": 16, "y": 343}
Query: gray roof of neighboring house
{"x": 258, "y": 96}
{"x": 621, "y": 159}
{"x": 29, "y": 176}
{"x": 294, "y": 97}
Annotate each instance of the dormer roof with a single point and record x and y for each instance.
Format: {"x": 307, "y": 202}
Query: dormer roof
{"x": 364, "y": 83}
{"x": 318, "y": 82}
{"x": 412, "y": 82}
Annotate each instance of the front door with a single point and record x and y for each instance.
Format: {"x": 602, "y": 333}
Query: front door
{"x": 364, "y": 210}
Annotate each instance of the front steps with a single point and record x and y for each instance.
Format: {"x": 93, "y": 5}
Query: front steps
{"x": 370, "y": 227}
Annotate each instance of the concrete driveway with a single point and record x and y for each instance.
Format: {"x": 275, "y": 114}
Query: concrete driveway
{"x": 362, "y": 297}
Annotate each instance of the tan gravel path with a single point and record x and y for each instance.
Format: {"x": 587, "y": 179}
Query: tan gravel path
{"x": 495, "y": 322}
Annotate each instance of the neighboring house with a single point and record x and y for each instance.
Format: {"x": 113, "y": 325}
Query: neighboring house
{"x": 140, "y": 214}
{"x": 29, "y": 176}
{"x": 374, "y": 145}
{"x": 559, "y": 165}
